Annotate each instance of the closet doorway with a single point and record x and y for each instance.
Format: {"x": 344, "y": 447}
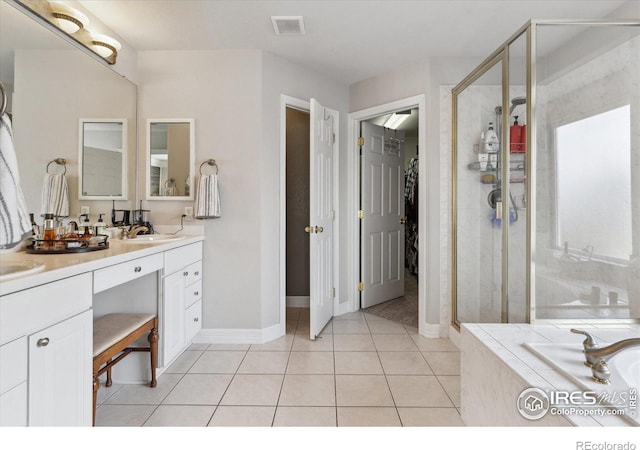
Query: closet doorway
{"x": 388, "y": 212}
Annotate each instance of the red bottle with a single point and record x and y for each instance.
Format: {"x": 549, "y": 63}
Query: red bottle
{"x": 517, "y": 137}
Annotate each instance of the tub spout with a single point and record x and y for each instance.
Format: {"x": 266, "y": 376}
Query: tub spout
{"x": 597, "y": 358}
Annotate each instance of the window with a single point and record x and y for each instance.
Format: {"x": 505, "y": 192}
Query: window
{"x": 594, "y": 184}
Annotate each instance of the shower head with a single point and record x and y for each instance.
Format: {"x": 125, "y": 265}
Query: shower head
{"x": 517, "y": 101}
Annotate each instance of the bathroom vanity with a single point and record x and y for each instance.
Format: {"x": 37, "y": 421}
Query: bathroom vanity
{"x": 46, "y": 322}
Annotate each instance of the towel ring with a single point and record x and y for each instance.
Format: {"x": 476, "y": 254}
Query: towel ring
{"x": 211, "y": 162}
{"x": 60, "y": 161}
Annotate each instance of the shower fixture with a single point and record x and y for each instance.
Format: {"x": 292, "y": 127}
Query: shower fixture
{"x": 516, "y": 101}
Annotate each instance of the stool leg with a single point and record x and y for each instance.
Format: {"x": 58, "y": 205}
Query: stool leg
{"x": 109, "y": 380}
{"x": 153, "y": 344}
{"x": 96, "y": 386}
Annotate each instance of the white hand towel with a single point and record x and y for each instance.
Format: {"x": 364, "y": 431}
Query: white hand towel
{"x": 208, "y": 197}
{"x": 55, "y": 195}
{"x": 14, "y": 218}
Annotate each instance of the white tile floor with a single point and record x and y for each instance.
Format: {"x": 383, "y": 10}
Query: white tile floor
{"x": 364, "y": 371}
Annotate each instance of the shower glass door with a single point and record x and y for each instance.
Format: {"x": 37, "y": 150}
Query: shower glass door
{"x": 478, "y": 242}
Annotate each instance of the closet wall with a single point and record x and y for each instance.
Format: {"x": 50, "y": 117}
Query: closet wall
{"x": 297, "y": 203}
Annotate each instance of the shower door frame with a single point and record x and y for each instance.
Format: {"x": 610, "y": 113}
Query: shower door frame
{"x": 502, "y": 54}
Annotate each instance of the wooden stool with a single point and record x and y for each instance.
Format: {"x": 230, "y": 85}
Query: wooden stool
{"x": 112, "y": 335}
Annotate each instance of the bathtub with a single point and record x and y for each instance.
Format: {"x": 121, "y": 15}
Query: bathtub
{"x": 622, "y": 392}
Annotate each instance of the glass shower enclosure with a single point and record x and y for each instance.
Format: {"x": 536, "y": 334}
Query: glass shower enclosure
{"x": 546, "y": 177}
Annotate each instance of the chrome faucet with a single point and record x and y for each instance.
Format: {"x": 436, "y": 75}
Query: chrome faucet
{"x": 596, "y": 357}
{"x": 133, "y": 231}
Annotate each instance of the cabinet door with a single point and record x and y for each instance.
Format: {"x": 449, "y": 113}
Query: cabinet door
{"x": 60, "y": 380}
{"x": 172, "y": 333}
{"x": 193, "y": 320}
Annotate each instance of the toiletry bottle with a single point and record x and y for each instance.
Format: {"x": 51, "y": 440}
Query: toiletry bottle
{"x": 100, "y": 227}
{"x": 516, "y": 137}
{"x": 490, "y": 140}
{"x": 49, "y": 233}
{"x": 85, "y": 227}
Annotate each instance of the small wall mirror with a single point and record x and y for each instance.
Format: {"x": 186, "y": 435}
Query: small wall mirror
{"x": 170, "y": 159}
{"x": 103, "y": 159}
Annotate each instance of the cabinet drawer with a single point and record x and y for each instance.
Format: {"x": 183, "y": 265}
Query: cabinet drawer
{"x": 193, "y": 272}
{"x": 194, "y": 293}
{"x": 180, "y": 257}
{"x": 13, "y": 364}
{"x": 193, "y": 321}
{"x": 36, "y": 308}
{"x": 109, "y": 277}
{"x": 13, "y": 407}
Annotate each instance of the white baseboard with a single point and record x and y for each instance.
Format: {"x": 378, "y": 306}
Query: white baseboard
{"x": 430, "y": 330}
{"x": 238, "y": 336}
{"x": 298, "y": 301}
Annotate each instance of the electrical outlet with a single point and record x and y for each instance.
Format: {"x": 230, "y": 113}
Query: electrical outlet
{"x": 188, "y": 212}
{"x": 85, "y": 210}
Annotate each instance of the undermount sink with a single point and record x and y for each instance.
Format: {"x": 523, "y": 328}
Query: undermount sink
{"x": 10, "y": 270}
{"x": 153, "y": 238}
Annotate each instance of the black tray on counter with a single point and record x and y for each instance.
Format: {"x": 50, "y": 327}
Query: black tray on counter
{"x": 63, "y": 246}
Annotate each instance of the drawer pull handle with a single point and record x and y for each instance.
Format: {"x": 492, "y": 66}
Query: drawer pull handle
{"x": 196, "y": 293}
{"x": 186, "y": 274}
{"x": 137, "y": 269}
{"x": 43, "y": 342}
{"x": 195, "y": 319}
{"x": 197, "y": 273}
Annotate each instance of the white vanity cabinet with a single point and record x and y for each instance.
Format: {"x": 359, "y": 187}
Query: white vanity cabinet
{"x": 46, "y": 354}
{"x": 181, "y": 312}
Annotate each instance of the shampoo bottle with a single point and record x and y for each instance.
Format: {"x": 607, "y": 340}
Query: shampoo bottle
{"x": 490, "y": 140}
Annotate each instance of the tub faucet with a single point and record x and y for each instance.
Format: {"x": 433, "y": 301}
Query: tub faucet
{"x": 596, "y": 357}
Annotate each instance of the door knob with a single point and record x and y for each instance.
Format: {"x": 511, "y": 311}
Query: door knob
{"x": 319, "y": 229}
{"x": 308, "y": 229}
{"x": 402, "y": 221}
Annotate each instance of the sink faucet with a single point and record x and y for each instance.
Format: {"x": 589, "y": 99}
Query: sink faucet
{"x": 133, "y": 231}
{"x": 596, "y": 357}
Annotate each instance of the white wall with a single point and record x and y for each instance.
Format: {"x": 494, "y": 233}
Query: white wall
{"x": 221, "y": 90}
{"x": 234, "y": 97}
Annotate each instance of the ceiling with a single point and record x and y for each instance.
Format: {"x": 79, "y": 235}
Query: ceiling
{"x": 347, "y": 40}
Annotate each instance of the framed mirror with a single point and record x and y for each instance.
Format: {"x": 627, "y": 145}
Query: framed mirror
{"x": 170, "y": 159}
{"x": 102, "y": 159}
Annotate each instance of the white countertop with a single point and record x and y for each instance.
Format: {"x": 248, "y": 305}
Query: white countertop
{"x": 58, "y": 266}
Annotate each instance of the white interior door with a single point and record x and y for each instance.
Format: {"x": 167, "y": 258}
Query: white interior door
{"x": 323, "y": 138}
{"x": 382, "y": 224}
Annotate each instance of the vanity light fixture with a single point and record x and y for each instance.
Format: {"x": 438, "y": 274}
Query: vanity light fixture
{"x": 104, "y": 45}
{"x": 396, "y": 119}
{"x": 69, "y": 20}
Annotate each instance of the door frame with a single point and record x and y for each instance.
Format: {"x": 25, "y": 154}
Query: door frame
{"x": 303, "y": 105}
{"x": 353, "y": 225}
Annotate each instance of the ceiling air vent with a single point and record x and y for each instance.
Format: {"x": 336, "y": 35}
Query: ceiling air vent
{"x": 288, "y": 25}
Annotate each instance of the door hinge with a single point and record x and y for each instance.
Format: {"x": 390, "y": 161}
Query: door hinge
{"x": 360, "y": 141}
{"x": 360, "y": 214}
{"x": 360, "y": 286}
{"x": 334, "y": 138}
{"x": 333, "y": 215}
{"x": 333, "y": 292}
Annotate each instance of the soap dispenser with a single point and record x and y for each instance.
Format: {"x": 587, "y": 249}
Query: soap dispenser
{"x": 85, "y": 226}
{"x": 100, "y": 227}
